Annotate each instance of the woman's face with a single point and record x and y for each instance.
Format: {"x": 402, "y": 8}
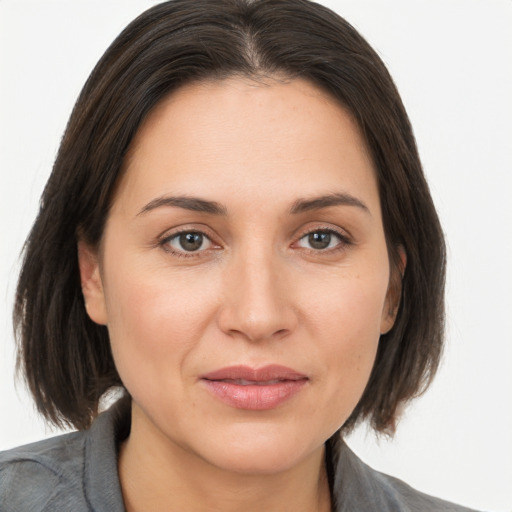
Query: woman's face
{"x": 243, "y": 273}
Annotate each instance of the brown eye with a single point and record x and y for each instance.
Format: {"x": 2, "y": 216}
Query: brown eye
{"x": 320, "y": 240}
{"x": 189, "y": 241}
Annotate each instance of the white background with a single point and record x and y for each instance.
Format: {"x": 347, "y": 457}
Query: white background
{"x": 452, "y": 62}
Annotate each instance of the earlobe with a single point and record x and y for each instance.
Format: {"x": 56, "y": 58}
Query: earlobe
{"x": 92, "y": 285}
{"x": 394, "y": 293}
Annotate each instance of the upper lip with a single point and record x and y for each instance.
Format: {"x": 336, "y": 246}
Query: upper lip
{"x": 271, "y": 372}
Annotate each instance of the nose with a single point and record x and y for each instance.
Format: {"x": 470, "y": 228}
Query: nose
{"x": 257, "y": 301}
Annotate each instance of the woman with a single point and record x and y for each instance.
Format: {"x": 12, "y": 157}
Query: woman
{"x": 226, "y": 234}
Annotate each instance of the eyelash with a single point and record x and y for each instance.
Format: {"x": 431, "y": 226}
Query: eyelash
{"x": 343, "y": 242}
{"x": 164, "y": 243}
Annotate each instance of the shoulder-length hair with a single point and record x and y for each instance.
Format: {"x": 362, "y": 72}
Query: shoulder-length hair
{"x": 66, "y": 358}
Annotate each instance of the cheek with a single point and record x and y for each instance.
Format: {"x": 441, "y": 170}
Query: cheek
{"x": 155, "y": 319}
{"x": 349, "y": 307}
{"x": 347, "y": 329}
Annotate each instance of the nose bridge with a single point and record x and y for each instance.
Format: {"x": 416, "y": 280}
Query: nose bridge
{"x": 256, "y": 304}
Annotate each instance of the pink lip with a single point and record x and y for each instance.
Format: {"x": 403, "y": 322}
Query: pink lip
{"x": 254, "y": 389}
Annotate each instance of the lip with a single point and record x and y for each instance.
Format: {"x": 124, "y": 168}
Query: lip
{"x": 257, "y": 389}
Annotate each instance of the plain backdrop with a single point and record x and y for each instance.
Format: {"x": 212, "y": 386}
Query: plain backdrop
{"x": 452, "y": 62}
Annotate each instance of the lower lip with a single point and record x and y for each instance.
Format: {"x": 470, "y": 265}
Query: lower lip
{"x": 255, "y": 398}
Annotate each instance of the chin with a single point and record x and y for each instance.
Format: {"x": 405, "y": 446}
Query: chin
{"x": 259, "y": 452}
{"x": 256, "y": 462}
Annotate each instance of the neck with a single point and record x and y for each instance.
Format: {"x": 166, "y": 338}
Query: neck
{"x": 158, "y": 475}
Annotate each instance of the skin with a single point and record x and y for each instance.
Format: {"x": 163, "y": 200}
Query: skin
{"x": 256, "y": 292}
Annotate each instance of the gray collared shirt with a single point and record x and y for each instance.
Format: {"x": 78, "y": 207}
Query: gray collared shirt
{"x": 77, "y": 472}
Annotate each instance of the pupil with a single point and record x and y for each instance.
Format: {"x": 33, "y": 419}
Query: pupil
{"x": 191, "y": 241}
{"x": 319, "y": 240}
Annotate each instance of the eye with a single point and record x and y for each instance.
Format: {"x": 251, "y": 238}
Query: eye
{"x": 321, "y": 240}
{"x": 188, "y": 241}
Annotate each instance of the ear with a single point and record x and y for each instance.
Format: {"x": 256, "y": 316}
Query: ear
{"x": 394, "y": 293}
{"x": 92, "y": 285}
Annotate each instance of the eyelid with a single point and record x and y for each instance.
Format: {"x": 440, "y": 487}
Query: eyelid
{"x": 164, "y": 239}
{"x": 344, "y": 237}
{"x": 312, "y": 227}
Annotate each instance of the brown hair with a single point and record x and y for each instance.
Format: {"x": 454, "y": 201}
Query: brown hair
{"x": 66, "y": 357}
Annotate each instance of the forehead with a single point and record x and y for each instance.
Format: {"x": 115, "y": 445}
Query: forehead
{"x": 246, "y": 136}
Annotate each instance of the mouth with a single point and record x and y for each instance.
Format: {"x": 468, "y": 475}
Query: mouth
{"x": 244, "y": 382}
{"x": 257, "y": 389}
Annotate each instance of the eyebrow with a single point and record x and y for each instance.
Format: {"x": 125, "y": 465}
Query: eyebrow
{"x": 317, "y": 203}
{"x": 188, "y": 203}
{"x": 213, "y": 208}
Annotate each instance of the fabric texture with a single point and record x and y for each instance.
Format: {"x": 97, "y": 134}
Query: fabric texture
{"x": 77, "y": 472}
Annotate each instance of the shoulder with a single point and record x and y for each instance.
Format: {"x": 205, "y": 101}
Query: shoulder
{"x": 413, "y": 500}
{"x": 43, "y": 476}
{"x": 358, "y": 487}
{"x": 74, "y": 472}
